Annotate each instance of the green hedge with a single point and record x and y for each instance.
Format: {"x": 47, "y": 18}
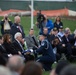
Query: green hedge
{"x": 38, "y": 5}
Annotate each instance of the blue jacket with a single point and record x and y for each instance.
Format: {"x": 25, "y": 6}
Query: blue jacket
{"x": 49, "y": 25}
{"x": 46, "y": 50}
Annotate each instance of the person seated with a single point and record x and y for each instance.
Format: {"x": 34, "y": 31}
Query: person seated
{"x": 18, "y": 42}
{"x": 59, "y": 67}
{"x": 54, "y": 34}
{"x": 45, "y": 31}
{"x": 2, "y": 49}
{"x": 15, "y": 64}
{"x": 32, "y": 68}
{"x": 66, "y": 43}
{"x": 72, "y": 38}
{"x": 57, "y": 48}
{"x": 31, "y": 40}
{"x": 69, "y": 70}
{"x": 8, "y": 45}
{"x": 61, "y": 32}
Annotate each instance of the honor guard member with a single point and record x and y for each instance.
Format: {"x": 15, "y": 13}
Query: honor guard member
{"x": 45, "y": 49}
{"x": 5, "y": 25}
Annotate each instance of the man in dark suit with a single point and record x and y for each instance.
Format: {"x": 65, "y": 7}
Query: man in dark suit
{"x": 18, "y": 43}
{"x": 16, "y": 27}
{"x": 66, "y": 44}
{"x": 6, "y": 24}
{"x": 31, "y": 40}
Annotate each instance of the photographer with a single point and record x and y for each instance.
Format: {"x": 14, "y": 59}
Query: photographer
{"x": 5, "y": 25}
{"x": 42, "y": 22}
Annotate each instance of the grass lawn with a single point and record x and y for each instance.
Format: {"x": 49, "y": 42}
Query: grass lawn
{"x": 26, "y": 23}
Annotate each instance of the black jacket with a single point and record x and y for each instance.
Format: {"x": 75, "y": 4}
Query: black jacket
{"x": 10, "y": 48}
{"x": 58, "y": 25}
{"x": 17, "y": 46}
{"x": 2, "y": 49}
{"x": 15, "y": 29}
{"x": 2, "y": 25}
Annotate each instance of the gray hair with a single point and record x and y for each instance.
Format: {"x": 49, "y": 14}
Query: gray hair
{"x": 4, "y": 71}
{"x": 15, "y": 62}
{"x": 16, "y": 18}
{"x": 17, "y": 35}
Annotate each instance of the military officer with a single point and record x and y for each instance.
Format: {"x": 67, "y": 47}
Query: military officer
{"x": 46, "y": 51}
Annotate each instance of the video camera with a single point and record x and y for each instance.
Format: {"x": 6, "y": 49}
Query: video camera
{"x": 40, "y": 18}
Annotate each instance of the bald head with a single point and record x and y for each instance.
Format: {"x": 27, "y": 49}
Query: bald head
{"x": 15, "y": 62}
{"x": 17, "y": 19}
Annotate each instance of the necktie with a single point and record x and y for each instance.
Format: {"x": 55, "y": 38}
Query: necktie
{"x": 35, "y": 41}
{"x": 21, "y": 46}
{"x": 20, "y": 28}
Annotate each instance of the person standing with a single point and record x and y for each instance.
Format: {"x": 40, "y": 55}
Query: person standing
{"x": 16, "y": 27}
{"x": 6, "y": 24}
{"x": 45, "y": 23}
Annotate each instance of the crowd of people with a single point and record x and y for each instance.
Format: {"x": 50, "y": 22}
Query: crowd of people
{"x": 54, "y": 43}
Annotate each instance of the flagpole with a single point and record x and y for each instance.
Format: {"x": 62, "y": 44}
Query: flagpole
{"x": 32, "y": 24}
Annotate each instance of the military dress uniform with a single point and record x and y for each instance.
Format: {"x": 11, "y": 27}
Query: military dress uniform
{"x": 48, "y": 56}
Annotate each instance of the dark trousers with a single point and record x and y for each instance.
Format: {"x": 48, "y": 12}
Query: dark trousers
{"x": 46, "y": 62}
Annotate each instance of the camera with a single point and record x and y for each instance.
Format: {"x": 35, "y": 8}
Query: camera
{"x": 40, "y": 19}
{"x": 6, "y": 18}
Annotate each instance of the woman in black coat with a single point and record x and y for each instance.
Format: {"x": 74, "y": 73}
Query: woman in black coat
{"x": 9, "y": 45}
{"x": 58, "y": 23}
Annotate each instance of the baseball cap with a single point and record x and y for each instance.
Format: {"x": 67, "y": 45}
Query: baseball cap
{"x": 61, "y": 27}
{"x": 55, "y": 29}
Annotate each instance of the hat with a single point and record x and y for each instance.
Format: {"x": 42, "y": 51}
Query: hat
{"x": 55, "y": 29}
{"x": 61, "y": 27}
